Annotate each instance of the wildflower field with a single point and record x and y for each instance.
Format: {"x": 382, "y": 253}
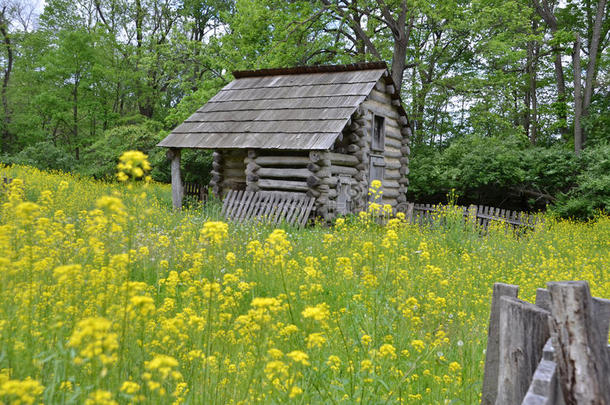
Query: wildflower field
{"x": 107, "y": 296}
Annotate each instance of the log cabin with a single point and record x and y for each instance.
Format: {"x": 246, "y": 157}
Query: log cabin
{"x": 323, "y": 131}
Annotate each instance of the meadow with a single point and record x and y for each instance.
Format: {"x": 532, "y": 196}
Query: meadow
{"x": 108, "y": 296}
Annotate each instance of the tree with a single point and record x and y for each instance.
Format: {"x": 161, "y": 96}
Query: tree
{"x": 579, "y": 19}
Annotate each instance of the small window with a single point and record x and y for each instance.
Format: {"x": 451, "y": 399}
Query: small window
{"x": 378, "y": 141}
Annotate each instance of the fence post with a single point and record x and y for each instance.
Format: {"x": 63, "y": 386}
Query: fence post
{"x": 472, "y": 214}
{"x": 580, "y": 349}
{"x": 409, "y": 213}
{"x": 492, "y": 355}
{"x": 177, "y": 188}
{"x": 524, "y": 329}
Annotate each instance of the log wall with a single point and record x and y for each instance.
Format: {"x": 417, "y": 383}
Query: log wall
{"x": 276, "y": 170}
{"x": 342, "y": 167}
{"x": 228, "y": 171}
{"x": 397, "y": 140}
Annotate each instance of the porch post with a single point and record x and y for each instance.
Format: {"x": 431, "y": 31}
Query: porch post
{"x": 177, "y": 189}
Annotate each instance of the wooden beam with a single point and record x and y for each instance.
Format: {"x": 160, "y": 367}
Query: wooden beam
{"x": 342, "y": 159}
{"x": 524, "y": 329}
{"x": 492, "y": 357}
{"x": 177, "y": 187}
{"x": 582, "y": 359}
{"x": 265, "y": 161}
{"x": 283, "y": 185}
{"x": 283, "y": 173}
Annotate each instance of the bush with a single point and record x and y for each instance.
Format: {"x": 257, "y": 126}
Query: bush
{"x": 481, "y": 170}
{"x": 591, "y": 193}
{"x": 101, "y": 158}
{"x": 509, "y": 174}
{"x": 43, "y": 155}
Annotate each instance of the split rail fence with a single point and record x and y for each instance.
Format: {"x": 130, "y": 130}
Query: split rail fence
{"x": 483, "y": 215}
{"x": 553, "y": 352}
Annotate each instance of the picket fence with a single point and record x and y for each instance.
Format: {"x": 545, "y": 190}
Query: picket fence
{"x": 483, "y": 215}
{"x": 195, "y": 190}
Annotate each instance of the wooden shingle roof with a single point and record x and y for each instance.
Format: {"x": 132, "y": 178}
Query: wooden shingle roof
{"x": 292, "y": 108}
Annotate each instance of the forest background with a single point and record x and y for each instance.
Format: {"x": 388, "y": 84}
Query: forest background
{"x": 509, "y": 100}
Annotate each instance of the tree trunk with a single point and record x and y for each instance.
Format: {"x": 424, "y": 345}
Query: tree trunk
{"x": 561, "y": 95}
{"x": 578, "y": 134}
{"x": 531, "y": 100}
{"x": 75, "y": 115}
{"x": 592, "y": 66}
{"x": 545, "y": 11}
{"x": 534, "y": 95}
{"x": 6, "y": 134}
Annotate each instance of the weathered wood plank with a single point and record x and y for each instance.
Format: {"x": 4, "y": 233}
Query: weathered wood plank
{"x": 247, "y": 200}
{"x": 282, "y": 80}
{"x": 298, "y": 91}
{"x": 230, "y": 198}
{"x": 272, "y": 114}
{"x": 580, "y": 349}
{"x": 294, "y": 126}
{"x": 543, "y": 388}
{"x": 378, "y": 105}
{"x": 293, "y": 103}
{"x": 342, "y": 159}
{"x": 524, "y": 329}
{"x": 292, "y": 208}
{"x": 270, "y": 205}
{"x": 283, "y": 173}
{"x": 260, "y": 209}
{"x": 254, "y": 203}
{"x": 266, "y": 161}
{"x": 177, "y": 188}
{"x": 305, "y": 214}
{"x": 225, "y": 203}
{"x": 492, "y": 357}
{"x": 283, "y": 185}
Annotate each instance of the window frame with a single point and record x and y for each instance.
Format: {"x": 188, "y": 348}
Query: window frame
{"x": 378, "y": 134}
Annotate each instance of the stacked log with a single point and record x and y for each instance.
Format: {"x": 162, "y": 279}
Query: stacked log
{"x": 216, "y": 177}
{"x": 404, "y": 162}
{"x": 252, "y": 169}
{"x": 359, "y": 156}
{"x": 285, "y": 171}
{"x": 318, "y": 182}
{"x": 383, "y": 101}
{"x": 232, "y": 170}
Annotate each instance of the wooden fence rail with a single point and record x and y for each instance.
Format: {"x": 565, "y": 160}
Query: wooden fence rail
{"x": 553, "y": 352}
{"x": 483, "y": 215}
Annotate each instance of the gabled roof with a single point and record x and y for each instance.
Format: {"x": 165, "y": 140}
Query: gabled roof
{"x": 292, "y": 108}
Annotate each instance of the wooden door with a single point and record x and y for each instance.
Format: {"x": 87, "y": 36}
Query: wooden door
{"x": 344, "y": 200}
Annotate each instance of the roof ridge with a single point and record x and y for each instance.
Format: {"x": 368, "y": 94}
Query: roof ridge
{"x": 238, "y": 74}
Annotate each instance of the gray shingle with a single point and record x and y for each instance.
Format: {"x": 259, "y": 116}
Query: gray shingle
{"x": 279, "y": 111}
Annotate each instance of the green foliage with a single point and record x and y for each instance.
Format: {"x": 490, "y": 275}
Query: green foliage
{"x": 469, "y": 165}
{"x": 191, "y": 102}
{"x": 591, "y": 193}
{"x": 44, "y": 155}
{"x": 101, "y": 158}
{"x": 479, "y": 84}
{"x": 597, "y": 123}
{"x": 509, "y": 173}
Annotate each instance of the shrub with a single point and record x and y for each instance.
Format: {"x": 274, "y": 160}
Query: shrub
{"x": 44, "y": 155}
